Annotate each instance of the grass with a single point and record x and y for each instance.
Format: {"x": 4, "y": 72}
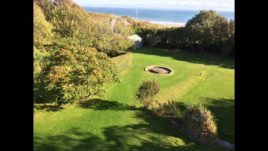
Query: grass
{"x": 117, "y": 121}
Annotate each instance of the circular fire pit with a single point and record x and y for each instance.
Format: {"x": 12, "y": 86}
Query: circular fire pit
{"x": 155, "y": 69}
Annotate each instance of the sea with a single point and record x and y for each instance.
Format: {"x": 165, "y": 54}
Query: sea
{"x": 156, "y": 15}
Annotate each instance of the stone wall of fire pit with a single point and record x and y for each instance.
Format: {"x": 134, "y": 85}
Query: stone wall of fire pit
{"x": 156, "y": 69}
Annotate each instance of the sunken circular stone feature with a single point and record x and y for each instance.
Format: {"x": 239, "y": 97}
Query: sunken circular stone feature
{"x": 155, "y": 69}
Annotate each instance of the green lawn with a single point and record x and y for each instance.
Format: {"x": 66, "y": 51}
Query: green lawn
{"x": 117, "y": 122}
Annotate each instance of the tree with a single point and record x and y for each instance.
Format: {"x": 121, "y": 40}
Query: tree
{"x": 42, "y": 28}
{"x": 42, "y": 36}
{"x": 232, "y": 36}
{"x": 41, "y": 63}
{"x": 147, "y": 91}
{"x": 76, "y": 74}
{"x": 208, "y": 31}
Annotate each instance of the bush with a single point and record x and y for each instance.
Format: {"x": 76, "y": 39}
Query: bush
{"x": 121, "y": 27}
{"x": 113, "y": 45}
{"x": 147, "y": 91}
{"x": 168, "y": 109}
{"x": 200, "y": 124}
{"x": 150, "y": 36}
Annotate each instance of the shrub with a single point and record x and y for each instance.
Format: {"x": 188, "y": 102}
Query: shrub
{"x": 147, "y": 91}
{"x": 113, "y": 45}
{"x": 168, "y": 109}
{"x": 151, "y": 36}
{"x": 121, "y": 27}
{"x": 200, "y": 124}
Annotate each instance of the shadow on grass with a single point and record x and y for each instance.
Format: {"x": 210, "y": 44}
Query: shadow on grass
{"x": 143, "y": 137}
{"x": 48, "y": 107}
{"x": 155, "y": 134}
{"x": 73, "y": 140}
{"x": 96, "y": 104}
{"x": 200, "y": 58}
{"x": 100, "y": 104}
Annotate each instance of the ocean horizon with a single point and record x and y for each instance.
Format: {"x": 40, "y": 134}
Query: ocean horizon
{"x": 161, "y": 16}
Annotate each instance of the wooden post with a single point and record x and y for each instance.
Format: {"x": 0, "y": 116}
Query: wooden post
{"x": 113, "y": 21}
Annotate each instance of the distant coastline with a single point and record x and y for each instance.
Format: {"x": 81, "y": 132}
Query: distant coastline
{"x": 169, "y": 24}
{"x": 174, "y": 18}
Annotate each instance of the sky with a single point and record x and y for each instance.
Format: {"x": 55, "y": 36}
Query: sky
{"x": 218, "y": 5}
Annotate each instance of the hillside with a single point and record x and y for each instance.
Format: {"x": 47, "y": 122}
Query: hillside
{"x": 117, "y": 121}
{"x": 92, "y": 92}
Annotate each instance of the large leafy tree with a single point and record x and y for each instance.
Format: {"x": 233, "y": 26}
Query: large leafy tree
{"x": 66, "y": 68}
{"x": 208, "y": 31}
{"x": 42, "y": 36}
{"x": 78, "y": 74}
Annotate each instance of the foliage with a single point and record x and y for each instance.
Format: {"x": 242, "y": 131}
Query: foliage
{"x": 63, "y": 1}
{"x": 67, "y": 68}
{"x": 134, "y": 128}
{"x": 113, "y": 45}
{"x": 42, "y": 36}
{"x": 41, "y": 62}
{"x": 42, "y": 28}
{"x": 71, "y": 21}
{"x": 122, "y": 62}
{"x": 207, "y": 31}
{"x": 77, "y": 74}
{"x": 167, "y": 109}
{"x": 151, "y": 37}
{"x": 45, "y": 5}
{"x": 147, "y": 91}
{"x": 200, "y": 124}
{"x": 231, "y": 40}
{"x": 122, "y": 27}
